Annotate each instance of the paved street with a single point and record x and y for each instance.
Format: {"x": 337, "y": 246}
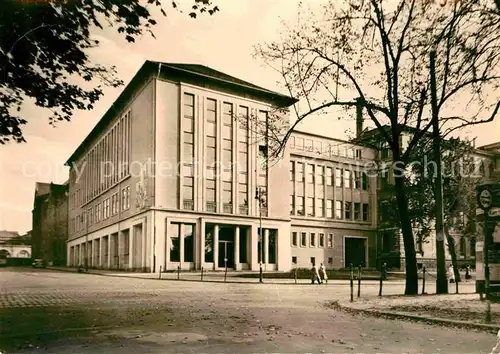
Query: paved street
{"x": 59, "y": 312}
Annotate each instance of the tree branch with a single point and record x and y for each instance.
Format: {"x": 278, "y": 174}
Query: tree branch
{"x": 487, "y": 120}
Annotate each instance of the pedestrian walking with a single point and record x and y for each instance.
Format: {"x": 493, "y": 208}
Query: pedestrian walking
{"x": 384, "y": 271}
{"x": 451, "y": 274}
{"x": 467, "y": 272}
{"x": 315, "y": 274}
{"x": 322, "y": 273}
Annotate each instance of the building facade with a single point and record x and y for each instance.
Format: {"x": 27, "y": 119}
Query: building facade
{"x": 50, "y": 223}
{"x": 167, "y": 177}
{"x": 332, "y": 202}
{"x": 486, "y": 163}
{"x": 13, "y": 245}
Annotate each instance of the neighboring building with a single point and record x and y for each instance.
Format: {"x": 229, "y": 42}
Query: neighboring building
{"x": 390, "y": 238}
{"x": 332, "y": 202}
{"x": 181, "y": 192}
{"x": 7, "y": 235}
{"x": 50, "y": 223}
{"x": 21, "y": 239}
{"x": 14, "y": 245}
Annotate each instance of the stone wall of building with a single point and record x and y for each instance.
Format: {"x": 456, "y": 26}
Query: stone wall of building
{"x": 50, "y": 224}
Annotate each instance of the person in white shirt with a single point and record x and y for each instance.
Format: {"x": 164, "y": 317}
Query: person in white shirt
{"x": 451, "y": 274}
{"x": 322, "y": 273}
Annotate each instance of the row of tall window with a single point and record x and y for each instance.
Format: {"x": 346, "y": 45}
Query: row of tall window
{"x": 324, "y": 148}
{"x": 316, "y": 207}
{"x": 227, "y": 157}
{"x": 188, "y": 148}
{"x": 212, "y": 139}
{"x": 104, "y": 164}
{"x": 322, "y": 175}
{"x": 243, "y": 140}
{"x": 101, "y": 211}
{"x": 311, "y": 239}
{"x": 262, "y": 170}
{"x": 211, "y": 146}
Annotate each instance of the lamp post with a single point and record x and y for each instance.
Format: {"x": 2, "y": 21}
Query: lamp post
{"x": 258, "y": 195}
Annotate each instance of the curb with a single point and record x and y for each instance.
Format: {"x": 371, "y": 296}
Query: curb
{"x": 185, "y": 280}
{"x": 395, "y": 282}
{"x": 491, "y": 328}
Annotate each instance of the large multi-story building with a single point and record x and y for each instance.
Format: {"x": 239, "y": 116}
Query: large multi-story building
{"x": 332, "y": 202}
{"x": 50, "y": 223}
{"x": 167, "y": 177}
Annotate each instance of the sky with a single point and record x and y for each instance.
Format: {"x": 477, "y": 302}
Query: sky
{"x": 224, "y": 41}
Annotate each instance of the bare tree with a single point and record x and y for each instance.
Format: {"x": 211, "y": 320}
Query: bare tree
{"x": 375, "y": 53}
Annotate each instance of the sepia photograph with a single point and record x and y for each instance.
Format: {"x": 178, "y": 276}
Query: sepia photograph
{"x": 249, "y": 176}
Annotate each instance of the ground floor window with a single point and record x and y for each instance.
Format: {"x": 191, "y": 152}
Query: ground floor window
{"x": 209, "y": 246}
{"x": 126, "y": 245}
{"x": 188, "y": 242}
{"x": 271, "y": 247}
{"x": 260, "y": 250}
{"x": 175, "y": 252}
{"x": 355, "y": 251}
{"x": 472, "y": 246}
{"x": 243, "y": 244}
{"x": 462, "y": 246}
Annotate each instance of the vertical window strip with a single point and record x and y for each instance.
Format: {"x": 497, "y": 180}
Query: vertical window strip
{"x": 129, "y": 140}
{"x": 124, "y": 147}
{"x": 99, "y": 166}
{"x": 210, "y": 135}
{"x": 115, "y": 148}
{"x": 243, "y": 151}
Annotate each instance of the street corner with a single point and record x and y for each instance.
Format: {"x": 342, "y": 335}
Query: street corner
{"x": 452, "y": 310}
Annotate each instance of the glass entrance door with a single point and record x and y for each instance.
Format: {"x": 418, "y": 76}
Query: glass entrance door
{"x": 226, "y": 254}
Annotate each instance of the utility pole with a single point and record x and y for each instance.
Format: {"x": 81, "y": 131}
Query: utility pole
{"x": 258, "y": 195}
{"x": 441, "y": 281}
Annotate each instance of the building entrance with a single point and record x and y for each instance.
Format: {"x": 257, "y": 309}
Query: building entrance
{"x": 226, "y": 254}
{"x": 226, "y": 247}
{"x": 355, "y": 251}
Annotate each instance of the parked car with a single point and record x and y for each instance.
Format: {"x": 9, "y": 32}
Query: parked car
{"x": 39, "y": 263}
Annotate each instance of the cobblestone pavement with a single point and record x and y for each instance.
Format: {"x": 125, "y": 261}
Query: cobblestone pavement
{"x": 59, "y": 312}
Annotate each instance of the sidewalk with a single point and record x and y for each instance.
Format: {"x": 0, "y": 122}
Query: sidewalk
{"x": 217, "y": 277}
{"x": 455, "y": 310}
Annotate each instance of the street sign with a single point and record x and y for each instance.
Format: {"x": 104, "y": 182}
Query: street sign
{"x": 488, "y": 195}
{"x": 494, "y": 212}
{"x": 485, "y": 199}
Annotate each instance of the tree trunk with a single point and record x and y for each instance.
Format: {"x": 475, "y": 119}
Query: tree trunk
{"x": 411, "y": 287}
{"x": 453, "y": 253}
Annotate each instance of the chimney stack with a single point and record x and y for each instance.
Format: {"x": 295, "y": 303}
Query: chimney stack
{"x": 359, "y": 118}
